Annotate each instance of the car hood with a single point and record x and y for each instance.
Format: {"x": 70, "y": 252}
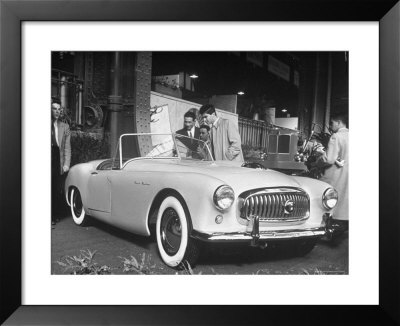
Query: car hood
{"x": 245, "y": 177}
{"x": 230, "y": 173}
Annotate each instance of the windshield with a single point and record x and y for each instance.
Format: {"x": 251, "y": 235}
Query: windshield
{"x": 160, "y": 146}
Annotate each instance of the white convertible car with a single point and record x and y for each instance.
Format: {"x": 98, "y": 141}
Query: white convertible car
{"x": 191, "y": 199}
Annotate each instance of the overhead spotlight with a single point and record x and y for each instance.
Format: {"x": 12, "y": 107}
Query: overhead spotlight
{"x": 284, "y": 110}
{"x": 240, "y": 93}
{"x": 194, "y": 76}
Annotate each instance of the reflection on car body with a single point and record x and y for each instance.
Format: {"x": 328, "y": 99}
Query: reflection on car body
{"x": 193, "y": 200}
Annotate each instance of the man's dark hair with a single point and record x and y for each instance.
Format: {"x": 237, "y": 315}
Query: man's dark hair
{"x": 190, "y": 115}
{"x": 207, "y": 108}
{"x": 205, "y": 127}
{"x": 194, "y": 111}
{"x": 341, "y": 117}
{"x": 55, "y": 101}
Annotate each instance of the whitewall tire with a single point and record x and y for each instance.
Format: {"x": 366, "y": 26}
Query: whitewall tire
{"x": 78, "y": 212}
{"x": 173, "y": 229}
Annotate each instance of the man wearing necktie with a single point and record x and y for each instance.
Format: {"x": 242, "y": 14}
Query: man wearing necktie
{"x": 189, "y": 130}
{"x": 225, "y": 138}
{"x": 60, "y": 158}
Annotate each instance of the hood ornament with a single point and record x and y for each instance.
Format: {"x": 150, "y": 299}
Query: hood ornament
{"x": 288, "y": 206}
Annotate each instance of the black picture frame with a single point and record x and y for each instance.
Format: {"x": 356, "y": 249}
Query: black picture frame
{"x": 13, "y": 13}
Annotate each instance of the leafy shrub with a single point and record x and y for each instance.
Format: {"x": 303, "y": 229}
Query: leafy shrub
{"x": 133, "y": 265}
{"x": 251, "y": 151}
{"x": 187, "y": 269}
{"x": 86, "y": 146}
{"x": 84, "y": 264}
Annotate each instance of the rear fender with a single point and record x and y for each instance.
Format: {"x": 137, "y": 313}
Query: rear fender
{"x": 78, "y": 177}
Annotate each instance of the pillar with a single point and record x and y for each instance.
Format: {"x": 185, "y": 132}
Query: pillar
{"x": 114, "y": 100}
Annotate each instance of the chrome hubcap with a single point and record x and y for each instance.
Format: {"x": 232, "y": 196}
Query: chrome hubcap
{"x": 77, "y": 204}
{"x": 170, "y": 231}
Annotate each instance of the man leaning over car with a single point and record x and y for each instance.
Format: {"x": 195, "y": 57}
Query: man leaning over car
{"x": 225, "y": 138}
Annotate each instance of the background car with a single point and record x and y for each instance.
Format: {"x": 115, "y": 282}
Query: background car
{"x": 192, "y": 200}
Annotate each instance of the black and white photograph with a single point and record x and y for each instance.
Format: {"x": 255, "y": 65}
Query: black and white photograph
{"x": 203, "y": 163}
{"x": 195, "y": 168}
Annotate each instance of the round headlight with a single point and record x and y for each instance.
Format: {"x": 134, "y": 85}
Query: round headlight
{"x": 330, "y": 198}
{"x": 223, "y": 197}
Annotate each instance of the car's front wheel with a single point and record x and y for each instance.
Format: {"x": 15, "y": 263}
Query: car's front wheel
{"x": 173, "y": 234}
{"x": 78, "y": 212}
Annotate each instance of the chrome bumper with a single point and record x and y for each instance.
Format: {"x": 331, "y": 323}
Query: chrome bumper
{"x": 255, "y": 236}
{"x": 262, "y": 236}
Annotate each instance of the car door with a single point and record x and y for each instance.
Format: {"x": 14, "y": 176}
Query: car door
{"x": 132, "y": 195}
{"x": 99, "y": 188}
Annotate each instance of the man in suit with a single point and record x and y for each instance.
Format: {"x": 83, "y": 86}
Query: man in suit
{"x": 60, "y": 157}
{"x": 189, "y": 130}
{"x": 225, "y": 138}
{"x": 203, "y": 148}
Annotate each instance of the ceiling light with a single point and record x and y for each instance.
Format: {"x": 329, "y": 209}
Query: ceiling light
{"x": 193, "y": 76}
{"x": 284, "y": 110}
{"x": 240, "y": 93}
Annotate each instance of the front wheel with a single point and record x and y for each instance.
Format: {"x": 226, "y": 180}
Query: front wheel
{"x": 78, "y": 212}
{"x": 172, "y": 232}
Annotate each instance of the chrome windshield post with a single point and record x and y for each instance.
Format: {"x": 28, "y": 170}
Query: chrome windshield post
{"x": 176, "y": 145}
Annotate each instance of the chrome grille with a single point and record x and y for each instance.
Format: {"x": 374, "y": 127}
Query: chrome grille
{"x": 275, "y": 205}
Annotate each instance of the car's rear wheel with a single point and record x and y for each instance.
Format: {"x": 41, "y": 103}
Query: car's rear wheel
{"x": 172, "y": 231}
{"x": 78, "y": 212}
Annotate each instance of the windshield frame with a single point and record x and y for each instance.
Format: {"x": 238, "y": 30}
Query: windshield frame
{"x": 119, "y": 149}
